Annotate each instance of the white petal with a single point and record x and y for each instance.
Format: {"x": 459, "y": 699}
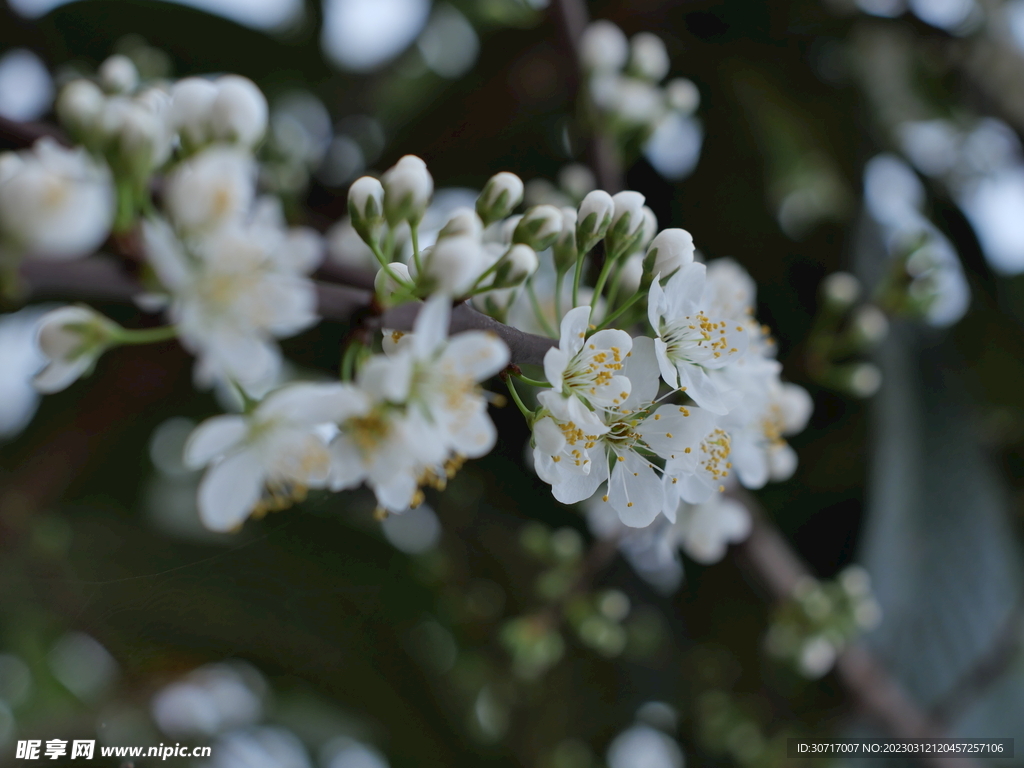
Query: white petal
{"x": 782, "y": 461}
{"x": 431, "y": 327}
{"x": 213, "y": 438}
{"x": 476, "y": 437}
{"x": 797, "y": 407}
{"x": 665, "y": 366}
{"x": 347, "y": 467}
{"x": 612, "y": 338}
{"x": 230, "y": 490}
{"x": 477, "y": 354}
{"x": 573, "y": 330}
{"x": 576, "y": 487}
{"x": 683, "y": 290}
{"x": 655, "y": 305}
{"x": 702, "y": 388}
{"x": 60, "y": 375}
{"x": 555, "y": 362}
{"x": 750, "y": 462}
{"x": 635, "y": 491}
{"x": 643, "y": 369}
{"x": 548, "y": 437}
{"x": 396, "y": 492}
{"x": 309, "y": 404}
{"x": 388, "y": 378}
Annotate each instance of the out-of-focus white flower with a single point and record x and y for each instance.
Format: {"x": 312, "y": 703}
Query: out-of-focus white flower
{"x": 682, "y": 95}
{"x": 216, "y": 185}
{"x": 262, "y": 747}
{"x": 644, "y": 747}
{"x": 238, "y": 290}
{"x": 345, "y": 246}
{"x": 135, "y": 132}
{"x": 408, "y": 186}
{"x": 817, "y": 657}
{"x": 239, "y": 111}
{"x": 670, "y": 250}
{"x": 55, "y": 203}
{"x": 191, "y": 104}
{"x": 840, "y": 289}
{"x": 385, "y": 284}
{"x": 594, "y": 218}
{"x": 518, "y": 264}
{"x": 79, "y": 105}
{"x": 267, "y": 459}
{"x": 118, "y": 74}
{"x": 421, "y": 407}
{"x": 453, "y": 264}
{"x": 603, "y": 47}
{"x": 501, "y": 194}
{"x": 588, "y": 370}
{"x": 704, "y": 531}
{"x": 689, "y": 343}
{"x": 539, "y": 227}
{"x": 463, "y": 222}
{"x": 648, "y": 57}
{"x": 650, "y": 227}
{"x": 72, "y": 339}
{"x": 208, "y": 701}
{"x": 577, "y": 180}
{"x": 759, "y": 450}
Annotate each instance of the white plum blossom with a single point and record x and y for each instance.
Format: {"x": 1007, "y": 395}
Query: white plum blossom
{"x": 55, "y": 203}
{"x": 214, "y": 186}
{"x": 648, "y": 57}
{"x": 421, "y": 411}
{"x": 689, "y": 342}
{"x": 232, "y": 293}
{"x": 72, "y": 339}
{"x": 588, "y": 370}
{"x": 759, "y": 450}
{"x": 603, "y": 47}
{"x": 705, "y": 531}
{"x": 266, "y": 459}
{"x": 229, "y": 109}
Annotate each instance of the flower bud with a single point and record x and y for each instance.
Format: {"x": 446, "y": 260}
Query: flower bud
{"x": 650, "y": 227}
{"x": 648, "y": 57}
{"x": 627, "y": 222}
{"x": 239, "y": 111}
{"x": 603, "y": 47}
{"x": 463, "y": 223}
{"x": 385, "y": 285}
{"x": 515, "y": 266}
{"x": 407, "y": 190}
{"x": 79, "y": 106}
{"x": 72, "y": 339}
{"x": 576, "y": 180}
{"x": 507, "y": 228}
{"x": 840, "y": 290}
{"x": 191, "y": 103}
{"x": 862, "y": 379}
{"x": 539, "y": 227}
{"x": 564, "y": 249}
{"x": 118, "y": 74}
{"x": 594, "y": 218}
{"x": 670, "y": 250}
{"x": 682, "y": 95}
{"x": 631, "y": 275}
{"x": 870, "y": 325}
{"x": 453, "y": 265}
{"x": 502, "y": 193}
{"x": 366, "y": 207}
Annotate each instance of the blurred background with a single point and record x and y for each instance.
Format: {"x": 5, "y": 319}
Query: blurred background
{"x": 877, "y": 137}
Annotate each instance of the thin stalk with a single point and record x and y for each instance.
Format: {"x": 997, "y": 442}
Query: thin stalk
{"x": 532, "y": 382}
{"x": 527, "y": 413}
{"x": 576, "y": 280}
{"x": 537, "y": 311}
{"x": 146, "y": 335}
{"x": 621, "y": 310}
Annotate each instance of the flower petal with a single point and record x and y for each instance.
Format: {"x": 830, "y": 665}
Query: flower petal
{"x": 573, "y": 330}
{"x": 229, "y": 491}
{"x": 477, "y": 354}
{"x": 431, "y": 327}
{"x": 635, "y": 491}
{"x": 555, "y": 362}
{"x": 213, "y": 438}
{"x": 643, "y": 369}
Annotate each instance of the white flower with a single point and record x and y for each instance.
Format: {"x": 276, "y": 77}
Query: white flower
{"x": 266, "y": 459}
{"x": 644, "y": 747}
{"x": 136, "y": 130}
{"x": 759, "y": 450}
{"x": 453, "y": 264}
{"x": 670, "y": 249}
{"x": 237, "y": 292}
{"x": 408, "y": 186}
{"x": 501, "y": 194}
{"x": 573, "y": 449}
{"x": 72, "y": 339}
{"x": 603, "y": 47}
{"x": 422, "y": 413}
{"x": 705, "y": 531}
{"x": 648, "y": 57}
{"x": 682, "y": 95}
{"x": 689, "y": 343}
{"x": 210, "y": 188}
{"x": 118, "y": 74}
{"x": 79, "y": 105}
{"x": 239, "y": 111}
{"x": 55, "y": 203}
{"x": 588, "y": 371}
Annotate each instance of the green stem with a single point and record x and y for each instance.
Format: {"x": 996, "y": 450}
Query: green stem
{"x": 415, "y": 230}
{"x": 527, "y": 413}
{"x": 126, "y": 336}
{"x": 621, "y": 310}
{"x": 576, "y": 280}
{"x": 387, "y": 267}
{"x": 599, "y": 286}
{"x": 537, "y": 311}
{"x": 559, "y": 278}
{"x": 532, "y": 382}
{"x": 348, "y": 360}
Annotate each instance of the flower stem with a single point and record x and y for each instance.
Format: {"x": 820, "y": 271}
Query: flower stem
{"x": 387, "y": 267}
{"x": 126, "y": 336}
{"x": 601, "y": 279}
{"x": 348, "y": 361}
{"x": 621, "y": 310}
{"x": 576, "y": 280}
{"x": 537, "y": 311}
{"x": 532, "y": 382}
{"x": 527, "y": 413}
{"x": 414, "y": 229}
{"x": 559, "y": 277}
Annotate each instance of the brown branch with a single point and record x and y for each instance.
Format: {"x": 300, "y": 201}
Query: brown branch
{"x": 769, "y": 557}
{"x": 16, "y": 135}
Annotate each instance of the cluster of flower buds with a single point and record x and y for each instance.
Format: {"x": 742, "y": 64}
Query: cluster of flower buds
{"x": 812, "y": 628}
{"x": 624, "y": 82}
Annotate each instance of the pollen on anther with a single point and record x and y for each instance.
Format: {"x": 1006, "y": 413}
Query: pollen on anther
{"x": 657, "y": 416}
{"x": 629, "y": 504}
{"x": 604, "y": 498}
{"x": 622, "y": 458}
{"x": 686, "y": 450}
{"x": 668, "y": 434}
{"x": 721, "y": 489}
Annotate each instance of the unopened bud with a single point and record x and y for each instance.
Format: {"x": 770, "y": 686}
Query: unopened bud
{"x": 840, "y": 289}
{"x": 453, "y": 265}
{"x": 594, "y": 218}
{"x": 631, "y": 274}
{"x": 603, "y": 47}
{"x": 463, "y": 222}
{"x": 366, "y": 207}
{"x": 670, "y": 250}
{"x": 650, "y": 227}
{"x": 501, "y": 194}
{"x": 539, "y": 227}
{"x": 239, "y": 112}
{"x": 118, "y": 74}
{"x": 385, "y": 283}
{"x": 864, "y": 379}
{"x": 72, "y": 339}
{"x": 576, "y": 180}
{"x": 870, "y": 325}
{"x": 648, "y": 57}
{"x": 682, "y": 95}
{"x": 564, "y": 249}
{"x": 515, "y": 266}
{"x": 627, "y": 222}
{"x": 408, "y": 186}
{"x": 191, "y": 102}
{"x": 79, "y": 106}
